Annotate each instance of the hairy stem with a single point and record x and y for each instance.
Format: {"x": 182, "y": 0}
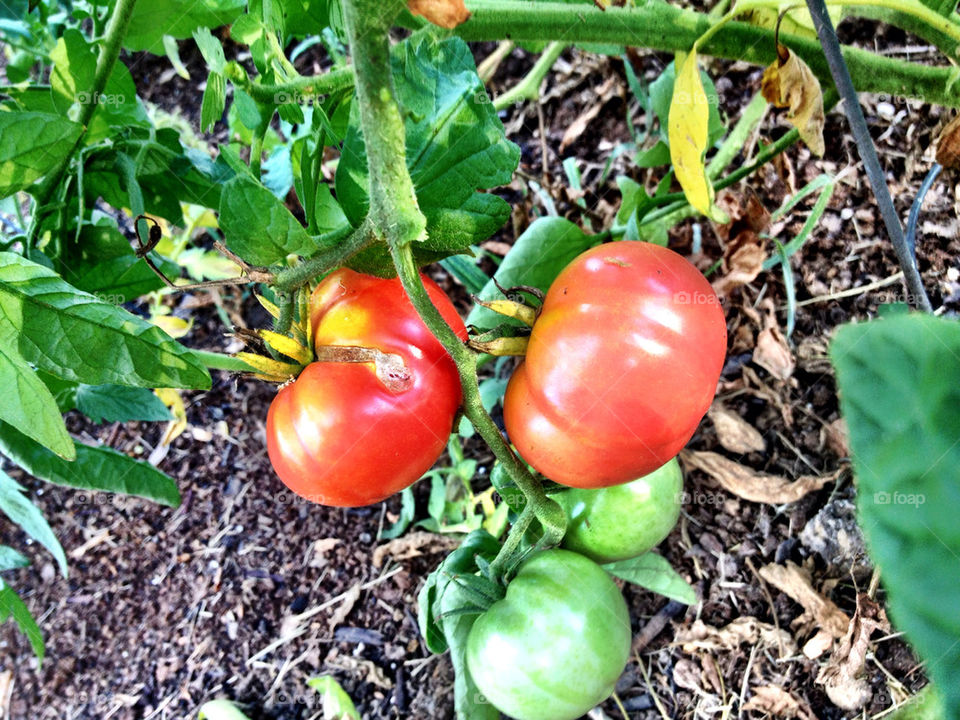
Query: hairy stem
{"x": 292, "y": 90}
{"x": 661, "y": 26}
{"x": 343, "y": 244}
{"x": 397, "y": 218}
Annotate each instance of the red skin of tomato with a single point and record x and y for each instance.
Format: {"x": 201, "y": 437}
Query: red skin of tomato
{"x": 337, "y": 435}
{"x": 623, "y": 363}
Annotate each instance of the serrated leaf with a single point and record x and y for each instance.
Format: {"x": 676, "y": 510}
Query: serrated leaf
{"x": 116, "y": 403}
{"x": 257, "y": 226}
{"x": 28, "y": 404}
{"x": 899, "y": 383}
{"x": 687, "y": 133}
{"x": 78, "y": 337}
{"x": 16, "y": 506}
{"x": 214, "y": 100}
{"x": 654, "y": 572}
{"x": 455, "y": 146}
{"x": 12, "y": 606}
{"x": 33, "y": 144}
{"x": 177, "y": 18}
{"x": 537, "y": 257}
{"x": 96, "y": 468}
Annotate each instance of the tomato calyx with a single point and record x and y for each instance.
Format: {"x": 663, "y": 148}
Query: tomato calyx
{"x": 502, "y": 340}
{"x": 390, "y": 368}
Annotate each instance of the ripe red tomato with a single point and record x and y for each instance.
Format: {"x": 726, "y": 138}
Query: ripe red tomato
{"x": 623, "y": 362}
{"x": 339, "y": 436}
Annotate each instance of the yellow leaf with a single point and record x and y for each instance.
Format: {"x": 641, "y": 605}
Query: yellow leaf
{"x": 271, "y": 369}
{"x": 445, "y": 13}
{"x": 268, "y": 306}
{"x": 687, "y": 132}
{"x": 174, "y": 326}
{"x": 790, "y": 83}
{"x": 174, "y": 401}
{"x": 287, "y": 346}
{"x": 512, "y": 309}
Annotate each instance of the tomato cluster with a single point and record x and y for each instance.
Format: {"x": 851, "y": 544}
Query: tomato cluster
{"x": 621, "y": 366}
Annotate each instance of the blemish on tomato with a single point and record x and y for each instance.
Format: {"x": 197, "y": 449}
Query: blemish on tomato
{"x": 616, "y": 261}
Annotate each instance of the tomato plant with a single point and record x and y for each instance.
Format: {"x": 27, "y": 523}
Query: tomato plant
{"x": 622, "y": 364}
{"x": 341, "y": 434}
{"x": 623, "y": 521}
{"x": 555, "y": 645}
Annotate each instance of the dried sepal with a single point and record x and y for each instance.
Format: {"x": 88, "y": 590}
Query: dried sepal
{"x": 287, "y": 346}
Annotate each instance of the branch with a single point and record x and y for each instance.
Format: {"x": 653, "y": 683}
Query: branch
{"x": 397, "y": 218}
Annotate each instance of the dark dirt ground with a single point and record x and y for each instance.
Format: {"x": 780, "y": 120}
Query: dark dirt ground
{"x": 167, "y": 608}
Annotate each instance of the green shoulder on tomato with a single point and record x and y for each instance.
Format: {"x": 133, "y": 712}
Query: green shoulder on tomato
{"x": 623, "y": 521}
{"x": 555, "y": 645}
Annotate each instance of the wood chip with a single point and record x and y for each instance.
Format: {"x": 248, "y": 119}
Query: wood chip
{"x": 411, "y": 546}
{"x": 843, "y": 676}
{"x": 733, "y": 432}
{"x": 795, "y": 582}
{"x": 749, "y": 484}
{"x": 775, "y": 701}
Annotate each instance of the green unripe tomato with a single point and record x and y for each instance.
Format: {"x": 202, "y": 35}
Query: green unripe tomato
{"x": 555, "y": 646}
{"x": 623, "y": 521}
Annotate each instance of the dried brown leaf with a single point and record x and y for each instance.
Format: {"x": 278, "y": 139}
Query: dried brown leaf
{"x": 772, "y": 353}
{"x": 948, "y": 144}
{"x": 411, "y": 546}
{"x": 344, "y": 608}
{"x": 776, "y": 701}
{"x": 836, "y": 437}
{"x": 749, "y": 484}
{"x": 743, "y": 260}
{"x": 579, "y": 125}
{"x": 818, "y": 645}
{"x": 790, "y": 83}
{"x": 843, "y": 675}
{"x": 734, "y": 433}
{"x": 749, "y": 630}
{"x": 795, "y": 582}
{"x": 445, "y": 13}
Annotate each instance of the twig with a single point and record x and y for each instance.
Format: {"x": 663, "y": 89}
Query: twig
{"x": 868, "y": 152}
{"x": 859, "y": 290}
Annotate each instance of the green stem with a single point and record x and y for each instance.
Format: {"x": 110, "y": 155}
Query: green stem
{"x": 397, "y": 218}
{"x": 529, "y": 87}
{"x": 256, "y": 149}
{"x": 294, "y": 90}
{"x": 109, "y": 52}
{"x": 511, "y": 546}
{"x": 343, "y": 243}
{"x": 219, "y": 361}
{"x": 661, "y": 26}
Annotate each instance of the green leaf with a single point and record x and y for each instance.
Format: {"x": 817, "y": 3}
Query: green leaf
{"x": 407, "y": 511}
{"x": 28, "y": 404}
{"x": 337, "y": 705}
{"x": 116, "y": 403}
{"x": 210, "y": 48}
{"x": 899, "y": 383}
{"x": 455, "y": 146}
{"x": 220, "y": 710}
{"x": 214, "y": 100}
{"x": 12, "y": 606}
{"x": 96, "y": 468}
{"x": 653, "y": 572}
{"x": 257, "y": 226}
{"x": 74, "y": 66}
{"x": 76, "y": 336}
{"x": 16, "y": 506}
{"x": 33, "y": 144}
{"x": 10, "y": 559}
{"x": 537, "y": 257}
{"x": 178, "y": 18}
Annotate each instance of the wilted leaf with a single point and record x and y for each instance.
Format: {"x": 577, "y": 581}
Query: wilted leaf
{"x": 790, "y": 83}
{"x": 445, "y": 13}
{"x": 700, "y": 636}
{"x": 687, "y": 132}
{"x": 772, "y": 700}
{"x": 743, "y": 260}
{"x": 772, "y": 353}
{"x": 843, "y": 676}
{"x": 751, "y": 485}
{"x": 948, "y": 144}
{"x": 733, "y": 432}
{"x": 411, "y": 546}
{"x": 795, "y": 582}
